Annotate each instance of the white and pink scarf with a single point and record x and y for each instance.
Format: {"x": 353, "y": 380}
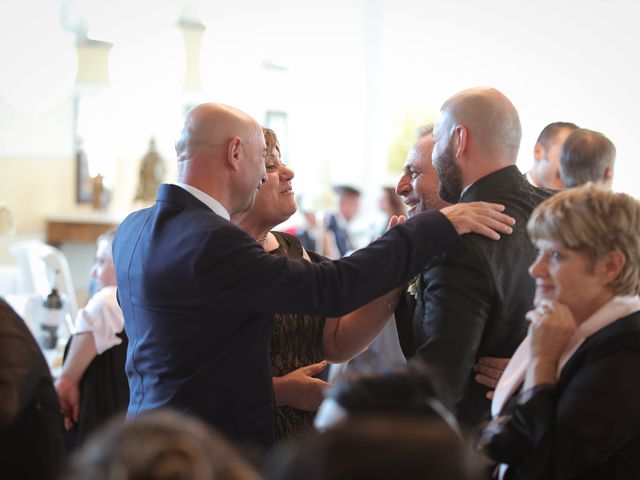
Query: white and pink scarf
{"x": 513, "y": 376}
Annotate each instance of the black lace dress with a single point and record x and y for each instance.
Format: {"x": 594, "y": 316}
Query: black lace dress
{"x": 296, "y": 342}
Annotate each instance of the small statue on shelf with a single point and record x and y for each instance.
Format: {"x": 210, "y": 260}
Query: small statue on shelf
{"x": 152, "y": 172}
{"x": 100, "y": 195}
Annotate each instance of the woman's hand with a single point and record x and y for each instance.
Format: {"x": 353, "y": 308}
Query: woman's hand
{"x": 299, "y": 389}
{"x": 551, "y": 325}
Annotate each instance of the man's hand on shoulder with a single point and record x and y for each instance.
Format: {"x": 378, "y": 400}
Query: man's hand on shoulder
{"x": 479, "y": 217}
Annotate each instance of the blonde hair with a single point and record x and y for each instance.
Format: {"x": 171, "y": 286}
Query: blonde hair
{"x": 594, "y": 221}
{"x": 271, "y": 140}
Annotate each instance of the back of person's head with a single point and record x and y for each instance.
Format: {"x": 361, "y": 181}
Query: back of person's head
{"x": 379, "y": 447}
{"x": 161, "y": 445}
{"x": 492, "y": 122}
{"x": 413, "y": 389}
{"x": 586, "y": 156}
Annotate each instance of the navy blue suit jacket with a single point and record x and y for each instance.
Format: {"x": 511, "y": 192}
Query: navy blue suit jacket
{"x": 198, "y": 294}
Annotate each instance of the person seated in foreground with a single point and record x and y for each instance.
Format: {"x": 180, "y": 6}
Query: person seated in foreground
{"x": 379, "y": 448}
{"x": 567, "y": 404}
{"x": 31, "y": 428}
{"x": 413, "y": 389}
{"x": 93, "y": 385}
{"x": 160, "y": 445}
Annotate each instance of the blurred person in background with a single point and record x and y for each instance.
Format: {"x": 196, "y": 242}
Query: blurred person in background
{"x": 93, "y": 385}
{"x": 338, "y": 223}
{"x": 390, "y": 204}
{"x": 546, "y": 155}
{"x": 587, "y": 156}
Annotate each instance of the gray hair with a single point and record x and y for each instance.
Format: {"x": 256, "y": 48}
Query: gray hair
{"x": 424, "y": 130}
{"x": 585, "y": 156}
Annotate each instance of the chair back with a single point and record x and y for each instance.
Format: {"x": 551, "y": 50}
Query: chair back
{"x": 44, "y": 267}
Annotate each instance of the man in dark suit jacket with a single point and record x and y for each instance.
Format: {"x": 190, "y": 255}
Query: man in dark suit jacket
{"x": 474, "y": 305}
{"x": 197, "y": 292}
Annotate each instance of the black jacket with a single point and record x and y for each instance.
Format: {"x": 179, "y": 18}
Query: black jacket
{"x": 587, "y": 427}
{"x": 474, "y": 305}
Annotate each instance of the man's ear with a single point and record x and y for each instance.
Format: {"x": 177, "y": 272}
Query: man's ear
{"x": 538, "y": 152}
{"x": 459, "y": 138}
{"x": 608, "y": 174}
{"x": 234, "y": 153}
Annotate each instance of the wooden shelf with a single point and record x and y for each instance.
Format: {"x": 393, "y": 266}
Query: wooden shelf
{"x": 78, "y": 228}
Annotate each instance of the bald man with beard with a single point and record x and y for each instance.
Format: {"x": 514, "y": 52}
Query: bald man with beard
{"x": 198, "y": 293}
{"x": 474, "y": 305}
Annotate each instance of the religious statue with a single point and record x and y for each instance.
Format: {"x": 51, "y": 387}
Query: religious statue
{"x": 152, "y": 172}
{"x": 101, "y": 195}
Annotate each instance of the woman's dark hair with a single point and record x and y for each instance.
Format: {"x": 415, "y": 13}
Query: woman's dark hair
{"x": 413, "y": 389}
{"x": 379, "y": 448}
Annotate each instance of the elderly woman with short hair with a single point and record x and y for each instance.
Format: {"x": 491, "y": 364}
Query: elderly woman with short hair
{"x": 568, "y": 404}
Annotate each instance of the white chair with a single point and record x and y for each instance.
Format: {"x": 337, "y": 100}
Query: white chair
{"x": 43, "y": 267}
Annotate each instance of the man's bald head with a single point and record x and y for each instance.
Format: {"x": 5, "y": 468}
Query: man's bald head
{"x": 490, "y": 117}
{"x": 221, "y": 152}
{"x": 477, "y": 133}
{"x": 213, "y": 125}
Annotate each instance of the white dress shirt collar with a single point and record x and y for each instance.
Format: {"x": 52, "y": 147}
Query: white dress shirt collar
{"x": 208, "y": 200}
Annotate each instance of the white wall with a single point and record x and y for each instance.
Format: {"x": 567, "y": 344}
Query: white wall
{"x": 569, "y": 60}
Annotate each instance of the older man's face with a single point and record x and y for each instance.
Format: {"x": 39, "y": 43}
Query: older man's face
{"x": 418, "y": 185}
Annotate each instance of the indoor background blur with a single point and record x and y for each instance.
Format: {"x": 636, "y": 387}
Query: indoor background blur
{"x": 87, "y": 84}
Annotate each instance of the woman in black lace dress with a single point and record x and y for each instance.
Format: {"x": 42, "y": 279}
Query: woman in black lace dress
{"x": 301, "y": 344}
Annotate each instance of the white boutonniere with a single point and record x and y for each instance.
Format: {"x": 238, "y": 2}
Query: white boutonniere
{"x": 414, "y": 286}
